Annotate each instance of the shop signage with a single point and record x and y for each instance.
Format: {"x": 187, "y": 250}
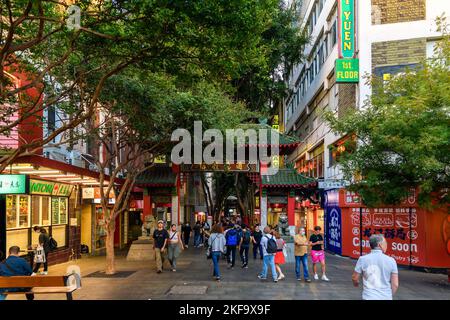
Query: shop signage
{"x": 94, "y": 193}
{"x": 346, "y": 14}
{"x": 275, "y": 199}
{"x": 14, "y": 184}
{"x": 333, "y": 231}
{"x": 347, "y": 70}
{"x": 225, "y": 167}
{"x": 333, "y": 184}
{"x": 50, "y": 188}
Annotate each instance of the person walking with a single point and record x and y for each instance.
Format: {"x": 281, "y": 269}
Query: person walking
{"x": 217, "y": 243}
{"x": 317, "y": 253}
{"x": 44, "y": 242}
{"x": 15, "y": 266}
{"x": 378, "y": 270}
{"x": 197, "y": 234}
{"x": 301, "y": 254}
{"x": 232, "y": 241}
{"x": 175, "y": 245}
{"x": 186, "y": 231}
{"x": 279, "y": 256}
{"x": 256, "y": 240}
{"x": 245, "y": 246}
{"x": 160, "y": 237}
{"x": 269, "y": 246}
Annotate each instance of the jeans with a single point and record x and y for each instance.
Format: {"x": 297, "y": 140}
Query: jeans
{"x": 244, "y": 254}
{"x": 197, "y": 240}
{"x": 215, "y": 258}
{"x": 303, "y": 260}
{"x": 186, "y": 239}
{"x": 269, "y": 261}
{"x": 256, "y": 247}
{"x": 231, "y": 255}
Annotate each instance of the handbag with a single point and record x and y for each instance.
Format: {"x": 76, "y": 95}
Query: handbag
{"x": 208, "y": 250}
{"x": 39, "y": 255}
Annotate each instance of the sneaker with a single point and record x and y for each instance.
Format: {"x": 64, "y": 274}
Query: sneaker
{"x": 174, "y": 270}
{"x": 281, "y": 277}
{"x": 316, "y": 277}
{"x": 44, "y": 273}
{"x": 261, "y": 277}
{"x": 299, "y": 279}
{"x": 324, "y": 278}
{"x": 246, "y": 267}
{"x": 218, "y": 279}
{"x": 186, "y": 246}
{"x": 33, "y": 274}
{"x": 159, "y": 271}
{"x": 275, "y": 280}
{"x": 307, "y": 280}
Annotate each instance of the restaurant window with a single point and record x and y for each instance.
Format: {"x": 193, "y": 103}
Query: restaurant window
{"x": 24, "y": 212}
{"x": 301, "y": 165}
{"x": 343, "y": 146}
{"x": 59, "y": 210}
{"x": 11, "y": 212}
{"x": 316, "y": 163}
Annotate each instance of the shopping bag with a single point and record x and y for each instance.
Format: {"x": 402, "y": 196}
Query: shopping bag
{"x": 39, "y": 255}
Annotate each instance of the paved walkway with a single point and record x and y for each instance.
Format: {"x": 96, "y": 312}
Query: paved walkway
{"x": 194, "y": 274}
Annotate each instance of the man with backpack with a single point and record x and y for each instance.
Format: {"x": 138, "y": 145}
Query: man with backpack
{"x": 245, "y": 246}
{"x": 270, "y": 248}
{"x": 232, "y": 241}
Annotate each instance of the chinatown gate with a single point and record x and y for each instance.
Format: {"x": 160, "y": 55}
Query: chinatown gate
{"x": 169, "y": 188}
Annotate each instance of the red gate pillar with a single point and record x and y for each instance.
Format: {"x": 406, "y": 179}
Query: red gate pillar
{"x": 147, "y": 205}
{"x": 291, "y": 208}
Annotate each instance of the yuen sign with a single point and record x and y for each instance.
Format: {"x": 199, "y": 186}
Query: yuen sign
{"x": 14, "y": 184}
{"x": 346, "y": 14}
{"x": 347, "y": 70}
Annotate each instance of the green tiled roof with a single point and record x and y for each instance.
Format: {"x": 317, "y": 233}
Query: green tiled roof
{"x": 287, "y": 177}
{"x": 284, "y": 138}
{"x": 156, "y": 177}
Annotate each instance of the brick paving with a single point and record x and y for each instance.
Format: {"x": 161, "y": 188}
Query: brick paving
{"x": 195, "y": 273}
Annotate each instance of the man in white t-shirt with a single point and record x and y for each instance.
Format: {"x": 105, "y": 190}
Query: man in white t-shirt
{"x": 379, "y": 271}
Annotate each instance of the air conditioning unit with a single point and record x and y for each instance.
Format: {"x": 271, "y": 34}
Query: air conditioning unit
{"x": 93, "y": 167}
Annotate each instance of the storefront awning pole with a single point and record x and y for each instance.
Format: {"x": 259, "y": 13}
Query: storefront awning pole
{"x": 360, "y": 232}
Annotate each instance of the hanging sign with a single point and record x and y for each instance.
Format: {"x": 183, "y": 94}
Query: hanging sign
{"x": 347, "y": 70}
{"x": 50, "y": 188}
{"x": 346, "y": 19}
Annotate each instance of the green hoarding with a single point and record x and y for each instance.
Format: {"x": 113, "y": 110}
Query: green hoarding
{"x": 14, "y": 184}
{"x": 347, "y": 70}
{"x": 347, "y": 28}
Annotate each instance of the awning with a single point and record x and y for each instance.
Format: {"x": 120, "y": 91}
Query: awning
{"x": 287, "y": 178}
{"x": 44, "y": 168}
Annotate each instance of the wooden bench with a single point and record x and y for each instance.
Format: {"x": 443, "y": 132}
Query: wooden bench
{"x": 42, "y": 284}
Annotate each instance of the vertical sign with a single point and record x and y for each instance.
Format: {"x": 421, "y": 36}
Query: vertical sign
{"x": 333, "y": 232}
{"x": 346, "y": 22}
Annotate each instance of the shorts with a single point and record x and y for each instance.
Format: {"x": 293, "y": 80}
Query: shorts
{"x": 318, "y": 256}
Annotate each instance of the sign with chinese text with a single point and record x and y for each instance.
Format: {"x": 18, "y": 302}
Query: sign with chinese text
{"x": 333, "y": 231}
{"x": 347, "y": 70}
{"x": 14, "y": 184}
{"x": 225, "y": 167}
{"x": 346, "y": 19}
{"x": 50, "y": 188}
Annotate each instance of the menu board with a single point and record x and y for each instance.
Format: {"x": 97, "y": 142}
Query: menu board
{"x": 11, "y": 212}
{"x": 55, "y": 211}
{"x": 63, "y": 210}
{"x": 23, "y": 211}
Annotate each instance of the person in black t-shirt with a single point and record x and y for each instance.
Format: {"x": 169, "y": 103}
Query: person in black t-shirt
{"x": 256, "y": 240}
{"x": 160, "y": 237}
{"x": 317, "y": 253}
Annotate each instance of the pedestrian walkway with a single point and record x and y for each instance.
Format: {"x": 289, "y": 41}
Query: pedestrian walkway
{"x": 193, "y": 280}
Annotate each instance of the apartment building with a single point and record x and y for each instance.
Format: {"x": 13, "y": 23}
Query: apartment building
{"x": 389, "y": 35}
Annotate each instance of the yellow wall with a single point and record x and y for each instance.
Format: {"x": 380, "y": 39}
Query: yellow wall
{"x": 86, "y": 225}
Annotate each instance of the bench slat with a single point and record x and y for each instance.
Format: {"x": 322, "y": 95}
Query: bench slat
{"x": 34, "y": 281}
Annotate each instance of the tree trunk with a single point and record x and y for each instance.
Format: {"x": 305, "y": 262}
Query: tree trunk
{"x": 110, "y": 257}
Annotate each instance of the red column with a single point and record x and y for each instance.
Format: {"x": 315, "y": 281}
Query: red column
{"x": 291, "y": 209}
{"x": 147, "y": 206}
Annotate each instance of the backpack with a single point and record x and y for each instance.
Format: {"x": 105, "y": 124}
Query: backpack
{"x": 232, "y": 237}
{"x": 271, "y": 245}
{"x": 52, "y": 244}
{"x": 246, "y": 239}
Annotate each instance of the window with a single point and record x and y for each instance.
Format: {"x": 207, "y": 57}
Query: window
{"x": 11, "y": 212}
{"x": 59, "y": 210}
{"x": 316, "y": 163}
{"x": 334, "y": 34}
{"x": 302, "y": 165}
{"x": 17, "y": 211}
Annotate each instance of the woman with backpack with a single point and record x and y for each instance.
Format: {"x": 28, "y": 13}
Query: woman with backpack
{"x": 173, "y": 249}
{"x": 245, "y": 246}
{"x": 216, "y": 244}
{"x": 279, "y": 256}
{"x": 44, "y": 242}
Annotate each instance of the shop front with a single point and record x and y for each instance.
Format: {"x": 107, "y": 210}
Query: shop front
{"x": 415, "y": 236}
{"x": 44, "y": 203}
{"x": 93, "y": 221}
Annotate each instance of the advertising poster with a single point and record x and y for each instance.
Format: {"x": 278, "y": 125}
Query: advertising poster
{"x": 333, "y": 235}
